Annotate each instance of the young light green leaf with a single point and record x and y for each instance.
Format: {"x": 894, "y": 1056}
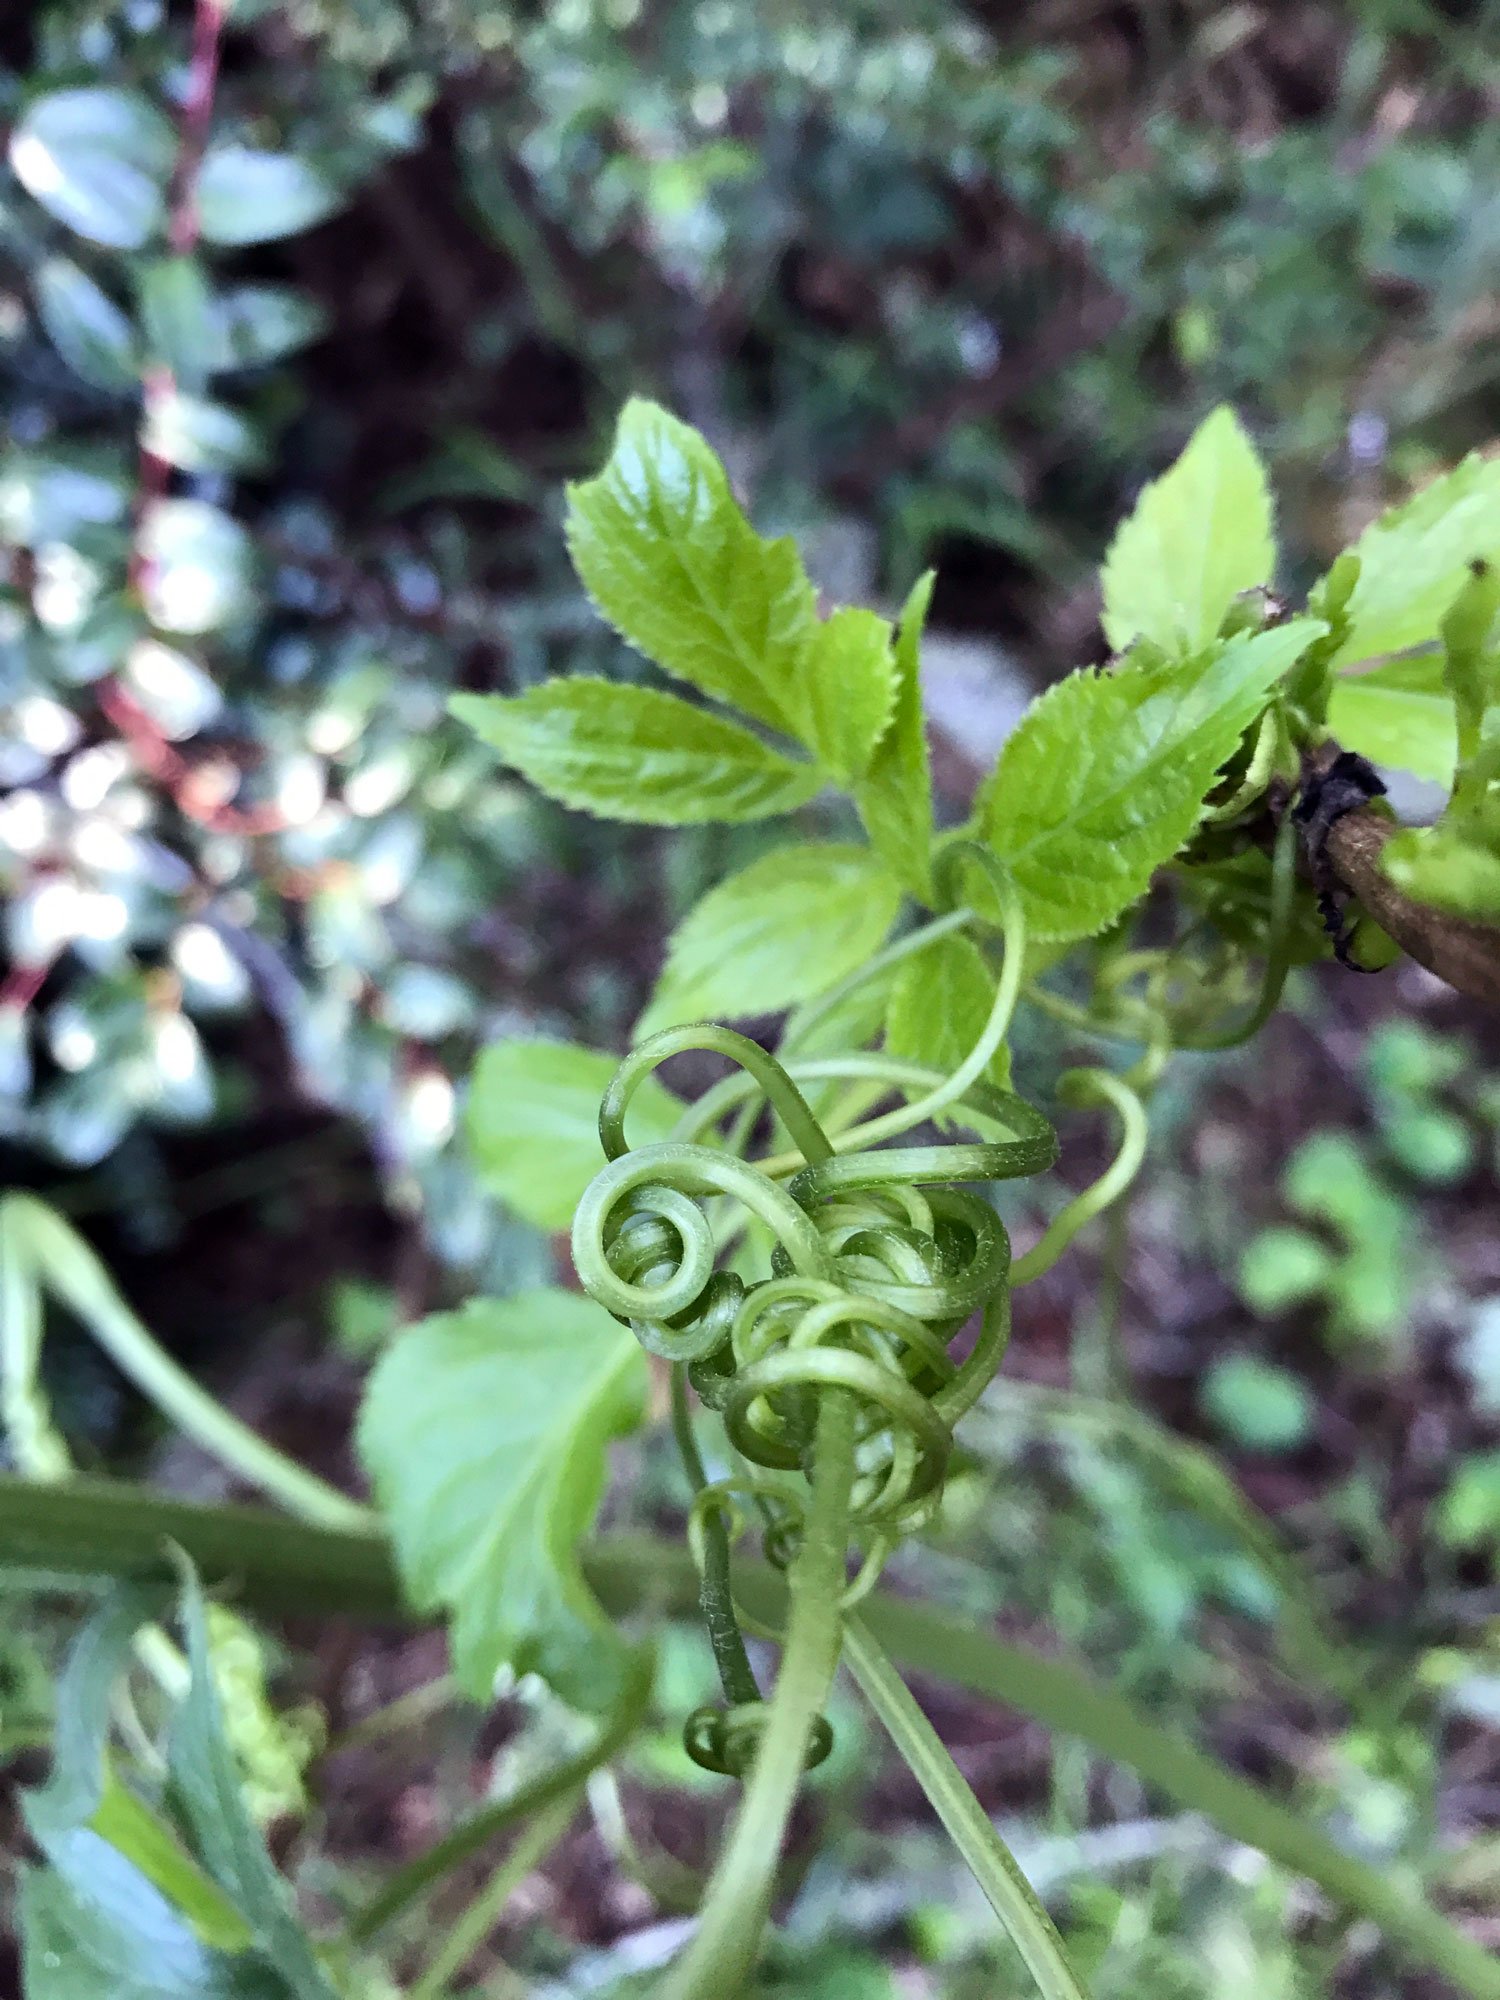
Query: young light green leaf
{"x": 847, "y": 683}
{"x": 788, "y": 926}
{"x": 97, "y": 159}
{"x": 670, "y": 560}
{"x": 1415, "y": 558}
{"x": 86, "y": 327}
{"x": 484, "y": 1431}
{"x": 1401, "y": 714}
{"x": 895, "y": 796}
{"x": 939, "y": 1004}
{"x": 635, "y": 753}
{"x": 1199, "y": 535}
{"x": 1470, "y": 667}
{"x": 1448, "y": 868}
{"x": 533, "y": 1123}
{"x": 247, "y": 196}
{"x": 1105, "y": 777}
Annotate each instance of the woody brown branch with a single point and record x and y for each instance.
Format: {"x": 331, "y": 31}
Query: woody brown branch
{"x": 1465, "y": 955}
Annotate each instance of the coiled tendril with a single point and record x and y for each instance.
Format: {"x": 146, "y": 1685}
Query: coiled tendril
{"x": 866, "y": 1264}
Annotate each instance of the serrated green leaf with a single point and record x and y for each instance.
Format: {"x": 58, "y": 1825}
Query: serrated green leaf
{"x": 1470, "y": 668}
{"x": 1401, "y": 714}
{"x": 635, "y": 753}
{"x": 1199, "y": 535}
{"x": 86, "y": 327}
{"x": 1414, "y": 560}
{"x": 533, "y": 1123}
{"x": 666, "y": 554}
{"x": 97, "y": 159}
{"x": 847, "y": 680}
{"x": 939, "y": 1004}
{"x": 1105, "y": 777}
{"x": 895, "y": 797}
{"x": 484, "y": 1431}
{"x": 249, "y": 196}
{"x": 788, "y": 926}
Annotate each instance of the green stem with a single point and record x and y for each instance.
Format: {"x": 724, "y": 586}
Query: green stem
{"x": 478, "y": 1920}
{"x": 70, "y": 1269}
{"x": 1087, "y": 1085}
{"x": 722, "y": 1953}
{"x": 989, "y": 1860}
{"x": 716, "y": 1596}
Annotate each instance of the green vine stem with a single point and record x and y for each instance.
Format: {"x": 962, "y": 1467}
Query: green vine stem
{"x": 42, "y": 1247}
{"x": 1082, "y": 1087}
{"x": 91, "y": 1532}
{"x": 738, "y": 1901}
{"x": 989, "y": 1860}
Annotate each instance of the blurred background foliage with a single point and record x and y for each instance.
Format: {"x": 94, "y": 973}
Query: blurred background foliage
{"x": 281, "y": 466}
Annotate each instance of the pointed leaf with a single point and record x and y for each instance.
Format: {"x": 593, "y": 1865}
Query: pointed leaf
{"x": 635, "y": 753}
{"x": 788, "y": 926}
{"x": 895, "y": 797}
{"x": 1199, "y": 535}
{"x": 670, "y": 560}
{"x": 1415, "y": 559}
{"x": 533, "y": 1123}
{"x": 97, "y": 159}
{"x": 939, "y": 1004}
{"x": 1105, "y": 777}
{"x": 485, "y": 1431}
{"x": 848, "y": 691}
{"x": 1401, "y": 714}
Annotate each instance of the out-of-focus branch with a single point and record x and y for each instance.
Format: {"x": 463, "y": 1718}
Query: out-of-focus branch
{"x": 1465, "y": 955}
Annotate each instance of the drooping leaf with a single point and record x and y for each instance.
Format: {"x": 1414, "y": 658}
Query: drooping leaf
{"x": 209, "y": 1797}
{"x": 1199, "y": 535}
{"x": 97, "y": 159}
{"x": 895, "y": 796}
{"x": 248, "y": 196}
{"x": 1414, "y": 560}
{"x": 1401, "y": 714}
{"x": 788, "y": 926}
{"x": 86, "y": 327}
{"x": 939, "y": 1004}
{"x": 635, "y": 753}
{"x": 848, "y": 691}
{"x": 533, "y": 1123}
{"x": 665, "y": 552}
{"x": 484, "y": 1431}
{"x": 1105, "y": 777}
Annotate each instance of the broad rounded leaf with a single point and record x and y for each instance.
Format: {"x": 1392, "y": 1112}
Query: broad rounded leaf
{"x": 181, "y": 320}
{"x": 666, "y": 554}
{"x": 484, "y": 1431}
{"x": 635, "y": 753}
{"x": 1199, "y": 535}
{"x": 97, "y": 159}
{"x": 939, "y": 1004}
{"x": 1105, "y": 777}
{"x": 1401, "y": 714}
{"x": 788, "y": 926}
{"x": 246, "y": 196}
{"x": 1415, "y": 559}
{"x": 263, "y": 323}
{"x": 533, "y": 1122}
{"x": 86, "y": 327}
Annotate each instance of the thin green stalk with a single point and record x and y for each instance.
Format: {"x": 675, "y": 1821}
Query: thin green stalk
{"x": 989, "y": 1860}
{"x": 476, "y": 1922}
{"x": 564, "y": 1780}
{"x": 69, "y": 1268}
{"x": 1111, "y": 1184}
{"x": 737, "y": 1904}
